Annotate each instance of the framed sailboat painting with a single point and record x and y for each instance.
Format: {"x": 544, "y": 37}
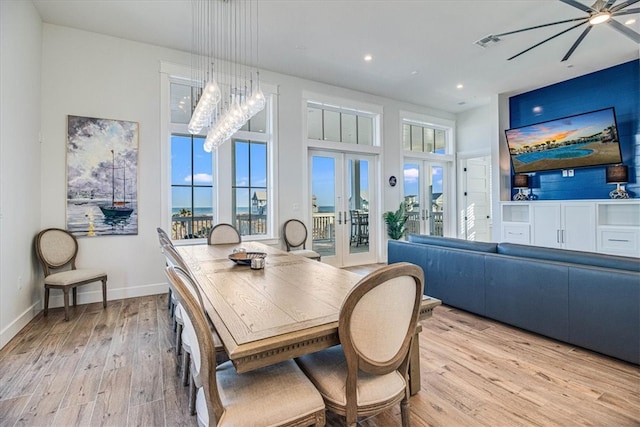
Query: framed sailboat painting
{"x": 102, "y": 176}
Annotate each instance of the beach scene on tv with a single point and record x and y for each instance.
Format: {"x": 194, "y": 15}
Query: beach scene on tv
{"x": 583, "y": 140}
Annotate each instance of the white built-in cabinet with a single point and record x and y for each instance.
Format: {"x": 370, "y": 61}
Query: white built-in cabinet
{"x": 603, "y": 226}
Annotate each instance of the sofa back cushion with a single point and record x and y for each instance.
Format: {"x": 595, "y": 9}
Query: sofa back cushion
{"x": 453, "y": 243}
{"x": 574, "y": 257}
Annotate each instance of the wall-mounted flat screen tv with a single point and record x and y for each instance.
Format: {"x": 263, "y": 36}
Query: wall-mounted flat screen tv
{"x": 588, "y": 139}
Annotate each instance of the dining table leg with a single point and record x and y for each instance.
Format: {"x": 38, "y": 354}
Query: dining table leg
{"x": 414, "y": 363}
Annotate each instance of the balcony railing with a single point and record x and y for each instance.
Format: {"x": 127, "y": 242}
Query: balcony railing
{"x": 198, "y": 227}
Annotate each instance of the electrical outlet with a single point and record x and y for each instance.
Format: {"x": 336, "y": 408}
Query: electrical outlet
{"x": 570, "y": 172}
{"x": 19, "y": 282}
{"x": 565, "y": 173}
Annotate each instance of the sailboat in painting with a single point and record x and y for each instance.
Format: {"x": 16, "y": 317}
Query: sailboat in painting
{"x": 117, "y": 209}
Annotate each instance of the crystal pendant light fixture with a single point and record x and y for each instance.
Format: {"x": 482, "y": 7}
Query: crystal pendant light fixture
{"x": 225, "y": 44}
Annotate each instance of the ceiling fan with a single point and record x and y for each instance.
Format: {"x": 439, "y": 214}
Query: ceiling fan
{"x": 602, "y": 11}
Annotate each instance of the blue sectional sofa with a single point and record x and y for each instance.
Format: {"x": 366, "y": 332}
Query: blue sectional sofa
{"x": 587, "y": 299}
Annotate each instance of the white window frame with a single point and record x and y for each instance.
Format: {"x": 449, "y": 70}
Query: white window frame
{"x": 222, "y": 170}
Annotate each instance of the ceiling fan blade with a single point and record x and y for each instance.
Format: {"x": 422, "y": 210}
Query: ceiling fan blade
{"x": 622, "y": 5}
{"x": 608, "y": 4}
{"x": 546, "y": 40}
{"x": 541, "y": 26}
{"x": 626, "y": 12}
{"x": 575, "y": 45}
{"x": 578, "y": 5}
{"x": 624, "y": 30}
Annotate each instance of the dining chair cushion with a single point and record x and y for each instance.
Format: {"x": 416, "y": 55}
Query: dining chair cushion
{"x": 69, "y": 277}
{"x": 265, "y": 396}
{"x": 328, "y": 370}
{"x": 308, "y": 253}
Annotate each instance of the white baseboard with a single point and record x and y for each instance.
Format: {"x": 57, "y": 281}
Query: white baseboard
{"x": 56, "y": 300}
{"x": 19, "y": 322}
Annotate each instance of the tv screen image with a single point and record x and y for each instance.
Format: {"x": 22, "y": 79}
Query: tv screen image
{"x": 588, "y": 139}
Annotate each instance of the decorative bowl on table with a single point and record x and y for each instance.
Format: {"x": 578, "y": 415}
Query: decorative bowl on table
{"x": 245, "y": 258}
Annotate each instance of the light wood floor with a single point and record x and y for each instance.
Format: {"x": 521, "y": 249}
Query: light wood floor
{"x": 116, "y": 367}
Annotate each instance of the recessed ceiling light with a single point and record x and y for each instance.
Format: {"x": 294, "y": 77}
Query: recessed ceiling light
{"x": 459, "y": 86}
{"x": 630, "y": 22}
{"x": 414, "y": 72}
{"x": 368, "y": 57}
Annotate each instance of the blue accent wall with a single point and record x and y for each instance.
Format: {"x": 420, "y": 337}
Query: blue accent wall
{"x": 617, "y": 86}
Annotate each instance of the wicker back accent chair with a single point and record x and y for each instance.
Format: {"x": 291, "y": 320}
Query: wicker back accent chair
{"x": 277, "y": 395}
{"x": 57, "y": 250}
{"x": 222, "y": 234}
{"x": 295, "y": 235}
{"x": 368, "y": 372}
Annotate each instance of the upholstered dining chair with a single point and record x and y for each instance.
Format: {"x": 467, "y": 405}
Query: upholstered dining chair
{"x": 57, "y": 250}
{"x": 164, "y": 239}
{"x": 277, "y": 395}
{"x": 368, "y": 372}
{"x": 295, "y": 236}
{"x": 184, "y": 334}
{"x": 222, "y": 234}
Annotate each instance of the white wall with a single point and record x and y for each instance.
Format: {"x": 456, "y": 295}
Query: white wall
{"x": 88, "y": 74}
{"x": 474, "y": 131}
{"x": 20, "y": 65}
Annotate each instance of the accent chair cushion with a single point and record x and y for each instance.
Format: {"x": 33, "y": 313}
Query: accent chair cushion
{"x": 69, "y": 277}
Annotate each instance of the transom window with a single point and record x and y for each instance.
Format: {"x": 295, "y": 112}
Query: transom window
{"x": 423, "y": 138}
{"x": 339, "y": 125}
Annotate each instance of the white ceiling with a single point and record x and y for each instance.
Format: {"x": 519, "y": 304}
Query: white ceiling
{"x": 326, "y": 40}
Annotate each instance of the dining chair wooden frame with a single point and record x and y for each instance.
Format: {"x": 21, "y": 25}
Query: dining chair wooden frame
{"x": 376, "y": 326}
{"x": 299, "y": 404}
{"x": 57, "y": 250}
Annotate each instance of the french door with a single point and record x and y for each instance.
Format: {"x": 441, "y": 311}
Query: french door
{"x": 425, "y": 195}
{"x": 344, "y": 212}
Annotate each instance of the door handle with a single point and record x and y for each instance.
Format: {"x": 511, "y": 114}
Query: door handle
{"x": 339, "y": 218}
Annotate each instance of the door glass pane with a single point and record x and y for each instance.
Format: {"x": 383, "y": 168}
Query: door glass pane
{"x": 358, "y": 185}
{"x": 437, "y": 201}
{"x": 331, "y": 126}
{"x": 323, "y": 185}
{"x": 412, "y": 197}
{"x": 349, "y": 128}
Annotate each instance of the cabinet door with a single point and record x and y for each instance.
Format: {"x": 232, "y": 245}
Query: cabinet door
{"x": 547, "y": 226}
{"x": 579, "y": 227}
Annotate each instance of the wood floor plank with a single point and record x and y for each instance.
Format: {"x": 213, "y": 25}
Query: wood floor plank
{"x": 86, "y": 382}
{"x": 74, "y": 415}
{"x": 147, "y": 414}
{"x": 125, "y": 335}
{"x": 45, "y": 400}
{"x": 10, "y": 409}
{"x": 112, "y": 401}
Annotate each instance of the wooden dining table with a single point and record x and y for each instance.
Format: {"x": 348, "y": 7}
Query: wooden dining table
{"x": 287, "y": 309}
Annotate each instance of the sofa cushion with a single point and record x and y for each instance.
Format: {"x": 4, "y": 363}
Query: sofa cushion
{"x": 453, "y": 243}
{"x": 574, "y": 257}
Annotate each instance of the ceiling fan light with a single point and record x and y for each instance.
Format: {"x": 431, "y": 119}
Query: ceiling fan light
{"x": 599, "y": 18}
